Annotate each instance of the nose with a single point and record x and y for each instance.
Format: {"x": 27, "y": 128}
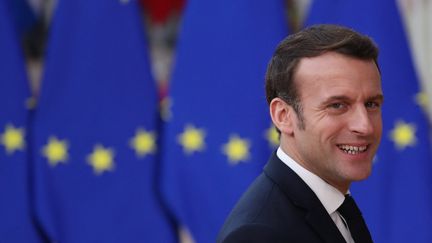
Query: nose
{"x": 360, "y": 122}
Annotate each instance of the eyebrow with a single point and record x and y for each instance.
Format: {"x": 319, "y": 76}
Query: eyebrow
{"x": 378, "y": 97}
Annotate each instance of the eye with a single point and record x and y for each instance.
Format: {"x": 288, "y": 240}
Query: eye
{"x": 372, "y": 105}
{"x": 337, "y": 106}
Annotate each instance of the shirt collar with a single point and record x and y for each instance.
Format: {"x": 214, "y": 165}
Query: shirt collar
{"x": 329, "y": 196}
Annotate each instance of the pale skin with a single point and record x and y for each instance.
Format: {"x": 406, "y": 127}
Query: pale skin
{"x": 341, "y": 97}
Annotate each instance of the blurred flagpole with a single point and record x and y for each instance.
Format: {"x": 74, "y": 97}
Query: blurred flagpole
{"x": 396, "y": 200}
{"x": 418, "y": 21}
{"x": 96, "y": 129}
{"x": 16, "y": 218}
{"x": 218, "y": 134}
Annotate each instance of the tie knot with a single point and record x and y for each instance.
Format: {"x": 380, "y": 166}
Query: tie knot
{"x": 351, "y": 213}
{"x": 349, "y": 209}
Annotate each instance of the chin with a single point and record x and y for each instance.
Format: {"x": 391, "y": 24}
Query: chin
{"x": 358, "y": 174}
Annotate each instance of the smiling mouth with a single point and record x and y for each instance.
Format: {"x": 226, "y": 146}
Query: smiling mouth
{"x": 349, "y": 149}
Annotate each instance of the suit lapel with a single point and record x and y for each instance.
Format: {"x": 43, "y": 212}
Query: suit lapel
{"x": 302, "y": 196}
{"x": 323, "y": 225}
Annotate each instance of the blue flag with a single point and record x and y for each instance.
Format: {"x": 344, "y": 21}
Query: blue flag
{"x": 16, "y": 221}
{"x": 396, "y": 200}
{"x": 218, "y": 133}
{"x": 95, "y": 129}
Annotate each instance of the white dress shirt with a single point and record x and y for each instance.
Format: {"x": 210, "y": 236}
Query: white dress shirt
{"x": 330, "y": 197}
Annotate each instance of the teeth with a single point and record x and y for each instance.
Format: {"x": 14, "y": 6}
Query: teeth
{"x": 352, "y": 149}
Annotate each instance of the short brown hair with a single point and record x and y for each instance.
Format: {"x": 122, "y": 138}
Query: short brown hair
{"x": 311, "y": 42}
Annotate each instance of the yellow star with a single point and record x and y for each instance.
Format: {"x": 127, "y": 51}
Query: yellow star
{"x": 56, "y": 151}
{"x": 236, "y": 149}
{"x": 403, "y": 135}
{"x": 144, "y": 142}
{"x": 272, "y": 136}
{"x": 192, "y": 139}
{"x": 422, "y": 99}
{"x": 12, "y": 139}
{"x": 101, "y": 159}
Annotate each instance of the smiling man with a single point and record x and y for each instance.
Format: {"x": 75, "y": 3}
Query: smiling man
{"x": 323, "y": 86}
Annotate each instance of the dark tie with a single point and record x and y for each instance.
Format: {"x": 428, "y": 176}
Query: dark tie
{"x": 355, "y": 221}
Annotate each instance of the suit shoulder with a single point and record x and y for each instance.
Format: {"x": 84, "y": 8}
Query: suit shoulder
{"x": 262, "y": 204}
{"x": 266, "y": 208}
{"x": 253, "y": 201}
{"x": 253, "y": 233}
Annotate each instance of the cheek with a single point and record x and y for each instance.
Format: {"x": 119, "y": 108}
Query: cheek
{"x": 330, "y": 130}
{"x": 377, "y": 123}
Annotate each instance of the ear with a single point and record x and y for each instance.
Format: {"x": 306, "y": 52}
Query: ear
{"x": 282, "y": 116}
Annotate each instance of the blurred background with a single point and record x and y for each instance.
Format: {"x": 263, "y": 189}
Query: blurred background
{"x": 145, "y": 120}
{"x": 162, "y": 21}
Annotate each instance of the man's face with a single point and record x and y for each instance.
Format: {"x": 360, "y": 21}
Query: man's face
{"x": 341, "y": 98}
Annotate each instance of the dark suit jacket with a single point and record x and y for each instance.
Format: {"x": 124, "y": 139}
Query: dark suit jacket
{"x": 279, "y": 207}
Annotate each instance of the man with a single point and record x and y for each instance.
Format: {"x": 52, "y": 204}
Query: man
{"x": 324, "y": 91}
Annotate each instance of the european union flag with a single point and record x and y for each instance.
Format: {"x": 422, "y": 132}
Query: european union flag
{"x": 396, "y": 200}
{"x": 16, "y": 221}
{"x": 95, "y": 129}
{"x": 219, "y": 134}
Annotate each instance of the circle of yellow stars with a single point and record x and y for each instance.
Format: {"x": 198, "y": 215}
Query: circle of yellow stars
{"x": 236, "y": 149}
{"x": 272, "y": 136}
{"x": 422, "y": 100}
{"x": 101, "y": 159}
{"x": 403, "y": 135}
{"x": 56, "y": 151}
{"x": 12, "y": 139}
{"x": 144, "y": 142}
{"x": 192, "y": 139}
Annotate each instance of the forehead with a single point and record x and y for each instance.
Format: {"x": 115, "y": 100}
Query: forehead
{"x": 335, "y": 74}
